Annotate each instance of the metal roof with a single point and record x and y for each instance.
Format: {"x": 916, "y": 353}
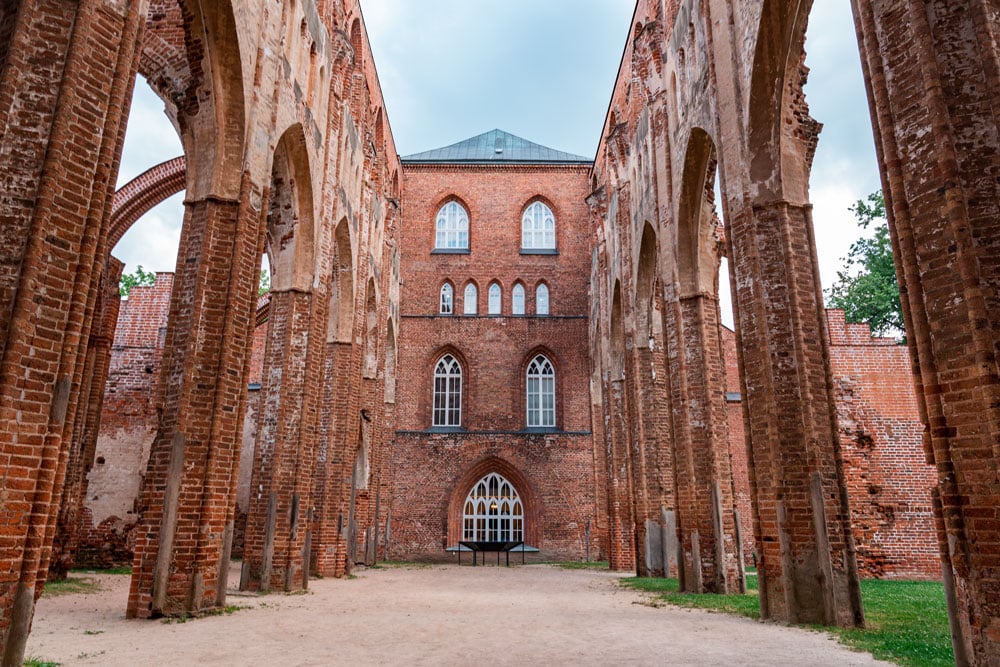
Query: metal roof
{"x": 496, "y": 146}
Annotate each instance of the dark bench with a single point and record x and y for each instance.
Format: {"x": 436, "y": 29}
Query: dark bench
{"x": 476, "y": 546}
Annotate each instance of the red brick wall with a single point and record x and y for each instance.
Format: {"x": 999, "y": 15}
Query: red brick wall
{"x": 494, "y": 352}
{"x": 888, "y": 478}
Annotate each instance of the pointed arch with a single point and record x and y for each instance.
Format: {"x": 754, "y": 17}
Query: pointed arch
{"x": 340, "y": 324}
{"x": 698, "y": 246}
{"x": 532, "y": 511}
{"x": 390, "y": 362}
{"x": 290, "y": 229}
{"x": 646, "y": 279}
{"x": 371, "y": 330}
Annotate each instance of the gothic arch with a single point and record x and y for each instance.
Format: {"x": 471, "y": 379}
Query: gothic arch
{"x": 698, "y": 250}
{"x": 478, "y": 470}
{"x": 137, "y": 197}
{"x": 340, "y": 324}
{"x": 290, "y": 229}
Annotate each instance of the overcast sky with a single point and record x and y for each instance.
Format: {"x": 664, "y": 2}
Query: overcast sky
{"x": 543, "y": 70}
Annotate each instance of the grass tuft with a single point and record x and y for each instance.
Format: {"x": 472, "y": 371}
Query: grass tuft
{"x": 70, "y": 586}
{"x": 583, "y": 565}
{"x": 35, "y": 661}
{"x": 907, "y": 621}
{"x": 125, "y": 569}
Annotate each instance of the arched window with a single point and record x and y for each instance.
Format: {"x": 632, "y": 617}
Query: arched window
{"x": 494, "y": 301}
{"x": 541, "y": 393}
{"x": 452, "y": 227}
{"x": 538, "y": 228}
{"x": 447, "y": 299}
{"x": 517, "y": 300}
{"x": 471, "y": 298}
{"x": 493, "y": 512}
{"x": 448, "y": 392}
{"x": 541, "y": 299}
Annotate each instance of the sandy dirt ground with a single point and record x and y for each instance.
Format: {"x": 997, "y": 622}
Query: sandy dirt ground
{"x": 440, "y": 615}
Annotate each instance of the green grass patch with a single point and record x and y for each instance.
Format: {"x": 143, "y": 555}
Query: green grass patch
{"x": 40, "y": 662}
{"x": 907, "y": 621}
{"x": 583, "y": 565}
{"x": 125, "y": 569}
{"x": 70, "y": 586}
{"x": 404, "y": 564}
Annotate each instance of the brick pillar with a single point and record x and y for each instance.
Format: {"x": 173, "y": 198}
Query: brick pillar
{"x": 805, "y": 549}
{"x": 939, "y": 160}
{"x": 84, "y": 444}
{"x": 621, "y": 527}
{"x": 189, "y": 493}
{"x": 63, "y": 66}
{"x": 653, "y": 473}
{"x": 705, "y": 509}
{"x": 279, "y": 515}
{"x": 337, "y": 444}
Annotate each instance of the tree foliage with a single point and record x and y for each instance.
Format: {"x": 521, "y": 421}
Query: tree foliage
{"x": 137, "y": 279}
{"x": 866, "y": 289}
{"x": 264, "y": 286}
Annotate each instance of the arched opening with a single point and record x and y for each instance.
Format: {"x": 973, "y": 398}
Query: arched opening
{"x": 390, "y": 362}
{"x": 341, "y": 312}
{"x": 493, "y": 511}
{"x": 371, "y": 330}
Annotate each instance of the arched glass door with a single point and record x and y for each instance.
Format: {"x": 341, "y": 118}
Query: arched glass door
{"x": 493, "y": 512}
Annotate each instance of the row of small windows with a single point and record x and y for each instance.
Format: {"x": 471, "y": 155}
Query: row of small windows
{"x": 540, "y": 393}
{"x": 494, "y": 303}
{"x": 538, "y": 227}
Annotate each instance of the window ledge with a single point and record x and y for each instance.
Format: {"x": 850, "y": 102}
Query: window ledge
{"x": 450, "y": 251}
{"x": 539, "y": 251}
{"x": 541, "y": 429}
{"x": 446, "y": 429}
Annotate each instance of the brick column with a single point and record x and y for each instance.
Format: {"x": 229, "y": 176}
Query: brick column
{"x": 188, "y": 497}
{"x": 84, "y": 445}
{"x": 705, "y": 510}
{"x": 65, "y": 66}
{"x": 279, "y": 516}
{"x": 940, "y": 156}
{"x": 807, "y": 570}
{"x": 337, "y": 444}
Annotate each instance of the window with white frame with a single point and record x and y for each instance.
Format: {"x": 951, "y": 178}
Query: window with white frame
{"x": 538, "y": 228}
{"x": 517, "y": 300}
{"x": 494, "y": 299}
{"x": 448, "y": 392}
{"x": 447, "y": 299}
{"x": 469, "y": 303}
{"x": 452, "y": 227}
{"x": 493, "y": 512}
{"x": 541, "y": 393}
{"x": 541, "y": 299}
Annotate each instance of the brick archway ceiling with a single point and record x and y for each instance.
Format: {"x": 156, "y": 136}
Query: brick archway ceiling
{"x": 142, "y": 193}
{"x": 163, "y": 60}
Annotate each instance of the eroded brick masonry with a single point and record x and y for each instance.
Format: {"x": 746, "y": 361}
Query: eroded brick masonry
{"x": 596, "y": 416}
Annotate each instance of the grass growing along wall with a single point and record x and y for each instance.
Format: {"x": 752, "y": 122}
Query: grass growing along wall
{"x": 907, "y": 621}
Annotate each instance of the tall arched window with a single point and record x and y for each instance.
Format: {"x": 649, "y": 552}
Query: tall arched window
{"x": 541, "y": 299}
{"x": 448, "y": 392}
{"x": 493, "y": 512}
{"x": 517, "y": 300}
{"x": 447, "y": 299}
{"x": 494, "y": 300}
{"x": 469, "y": 303}
{"x": 452, "y": 227}
{"x": 538, "y": 228}
{"x": 541, "y": 393}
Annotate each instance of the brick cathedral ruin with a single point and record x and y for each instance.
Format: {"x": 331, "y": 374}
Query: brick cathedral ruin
{"x": 494, "y": 339}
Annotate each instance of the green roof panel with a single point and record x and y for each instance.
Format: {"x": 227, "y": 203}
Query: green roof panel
{"x": 496, "y": 146}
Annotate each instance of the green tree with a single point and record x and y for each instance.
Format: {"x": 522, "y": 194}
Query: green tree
{"x": 866, "y": 289}
{"x": 139, "y": 278}
{"x": 264, "y": 286}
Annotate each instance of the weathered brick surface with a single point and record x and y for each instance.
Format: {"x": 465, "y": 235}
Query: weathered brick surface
{"x": 432, "y": 469}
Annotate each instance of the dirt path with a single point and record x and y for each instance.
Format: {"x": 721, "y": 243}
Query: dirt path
{"x": 441, "y": 615}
